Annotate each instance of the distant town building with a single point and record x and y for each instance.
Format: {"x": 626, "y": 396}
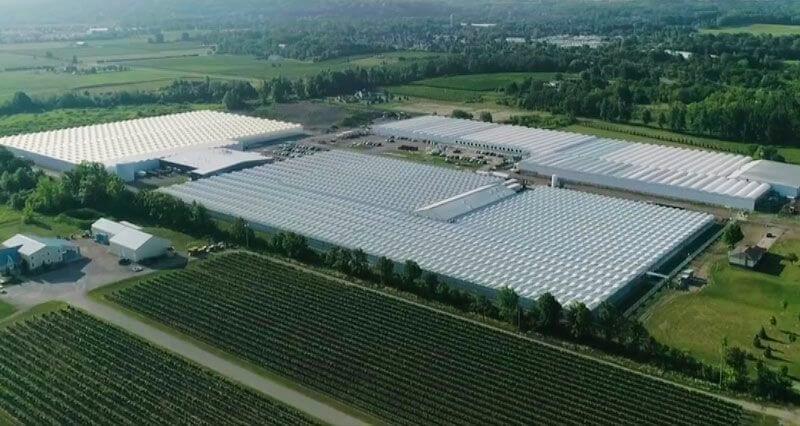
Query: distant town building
{"x": 38, "y": 252}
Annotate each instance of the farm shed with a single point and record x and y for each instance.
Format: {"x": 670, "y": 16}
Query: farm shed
{"x": 38, "y": 252}
{"x": 128, "y": 241}
{"x": 474, "y": 229}
{"x": 126, "y": 147}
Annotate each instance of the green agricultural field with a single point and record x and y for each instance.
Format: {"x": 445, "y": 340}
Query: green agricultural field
{"x": 41, "y": 83}
{"x": 401, "y": 362}
{"x": 758, "y": 29}
{"x": 11, "y": 60}
{"x": 441, "y": 94}
{"x": 104, "y": 50}
{"x": 66, "y": 367}
{"x": 64, "y": 118}
{"x": 235, "y": 66}
{"x": 482, "y": 82}
{"x": 735, "y": 305}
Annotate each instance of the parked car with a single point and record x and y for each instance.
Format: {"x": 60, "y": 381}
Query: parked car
{"x": 124, "y": 262}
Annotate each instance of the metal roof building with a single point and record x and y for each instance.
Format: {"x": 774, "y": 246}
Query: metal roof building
{"x": 700, "y": 176}
{"x": 211, "y": 161}
{"x": 129, "y": 146}
{"x": 784, "y": 178}
{"x": 473, "y": 228}
{"x": 128, "y": 241}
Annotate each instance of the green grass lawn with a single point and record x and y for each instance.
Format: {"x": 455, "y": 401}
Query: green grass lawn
{"x": 757, "y": 29}
{"x": 6, "y": 310}
{"x": 43, "y": 226}
{"x": 59, "y": 119}
{"x": 482, "y": 82}
{"x": 734, "y": 305}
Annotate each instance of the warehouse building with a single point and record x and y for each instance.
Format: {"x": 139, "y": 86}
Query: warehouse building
{"x": 729, "y": 180}
{"x": 127, "y": 147}
{"x": 213, "y": 161}
{"x": 128, "y": 241}
{"x": 38, "y": 253}
{"x": 784, "y": 178}
{"x": 481, "y": 231}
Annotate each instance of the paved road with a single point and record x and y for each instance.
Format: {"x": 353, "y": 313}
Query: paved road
{"x": 221, "y": 366}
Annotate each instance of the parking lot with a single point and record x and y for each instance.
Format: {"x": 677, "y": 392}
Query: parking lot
{"x": 97, "y": 268}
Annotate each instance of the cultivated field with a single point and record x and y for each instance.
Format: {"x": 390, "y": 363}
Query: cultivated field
{"x": 758, "y": 29}
{"x": 404, "y": 363}
{"x": 483, "y": 82}
{"x": 235, "y": 66}
{"x": 735, "y": 305}
{"x": 65, "y": 367}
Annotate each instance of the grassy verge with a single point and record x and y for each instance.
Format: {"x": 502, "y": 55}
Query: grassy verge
{"x": 32, "y": 312}
{"x": 6, "y": 310}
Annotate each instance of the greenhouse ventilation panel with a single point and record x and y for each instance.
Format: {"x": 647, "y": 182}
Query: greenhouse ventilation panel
{"x": 577, "y": 246}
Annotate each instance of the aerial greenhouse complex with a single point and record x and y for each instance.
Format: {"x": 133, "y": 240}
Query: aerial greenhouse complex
{"x": 127, "y": 147}
{"x": 481, "y": 231}
{"x": 728, "y": 180}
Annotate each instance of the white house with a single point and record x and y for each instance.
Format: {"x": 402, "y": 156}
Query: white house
{"x": 38, "y": 252}
{"x": 128, "y": 241}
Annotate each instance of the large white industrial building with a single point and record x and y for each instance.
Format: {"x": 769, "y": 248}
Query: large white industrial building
{"x": 127, "y": 147}
{"x": 729, "y": 180}
{"x": 476, "y": 229}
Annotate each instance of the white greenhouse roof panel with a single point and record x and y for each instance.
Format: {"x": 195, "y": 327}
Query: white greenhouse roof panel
{"x": 675, "y": 173}
{"x": 145, "y": 139}
{"x": 729, "y": 180}
{"x": 578, "y": 246}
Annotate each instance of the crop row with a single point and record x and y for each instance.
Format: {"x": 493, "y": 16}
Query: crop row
{"x": 66, "y": 367}
{"x": 402, "y": 362}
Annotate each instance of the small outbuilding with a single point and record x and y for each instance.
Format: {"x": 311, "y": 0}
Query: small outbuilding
{"x": 128, "y": 241}
{"x": 38, "y": 252}
{"x": 747, "y": 257}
